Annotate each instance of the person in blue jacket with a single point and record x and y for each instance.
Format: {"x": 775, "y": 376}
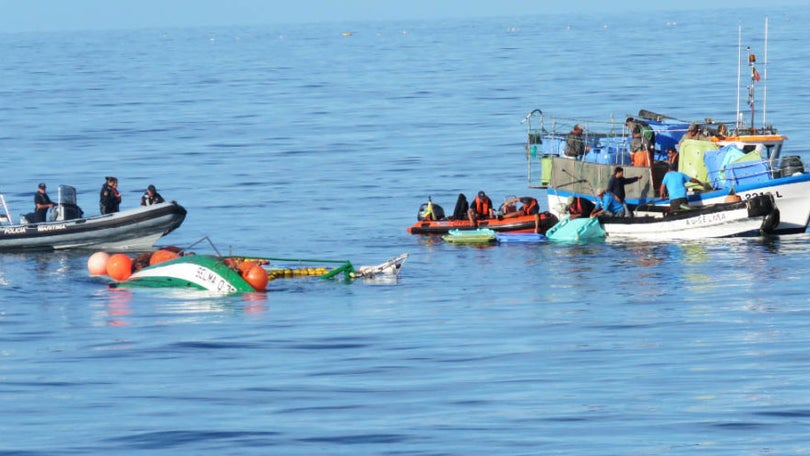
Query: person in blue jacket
{"x": 608, "y": 204}
{"x": 674, "y": 185}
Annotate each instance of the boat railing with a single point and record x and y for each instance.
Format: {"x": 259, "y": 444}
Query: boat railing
{"x": 5, "y": 216}
{"x": 743, "y": 173}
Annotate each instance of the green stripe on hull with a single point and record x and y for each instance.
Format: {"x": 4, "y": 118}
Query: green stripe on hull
{"x": 203, "y": 272}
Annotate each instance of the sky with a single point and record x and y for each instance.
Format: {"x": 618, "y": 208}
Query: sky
{"x": 58, "y": 15}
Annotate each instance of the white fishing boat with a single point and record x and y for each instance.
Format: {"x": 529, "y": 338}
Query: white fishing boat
{"x": 751, "y": 217}
{"x": 733, "y": 157}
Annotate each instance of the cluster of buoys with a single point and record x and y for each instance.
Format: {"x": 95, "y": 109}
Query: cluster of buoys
{"x": 120, "y": 266}
{"x": 299, "y": 272}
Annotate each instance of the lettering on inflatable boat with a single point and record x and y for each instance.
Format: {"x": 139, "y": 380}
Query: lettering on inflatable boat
{"x": 59, "y": 227}
{"x": 17, "y": 230}
{"x": 211, "y": 277}
{"x": 706, "y": 219}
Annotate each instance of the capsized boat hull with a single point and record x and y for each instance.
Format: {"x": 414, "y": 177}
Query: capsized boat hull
{"x": 227, "y": 275}
{"x": 202, "y": 272}
{"x": 584, "y": 229}
{"x": 130, "y": 230}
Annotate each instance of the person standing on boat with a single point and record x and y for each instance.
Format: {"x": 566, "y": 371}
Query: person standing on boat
{"x": 110, "y": 199}
{"x": 574, "y": 144}
{"x": 42, "y": 202}
{"x": 480, "y": 209}
{"x": 693, "y": 132}
{"x": 672, "y": 156}
{"x": 616, "y": 185}
{"x": 151, "y": 196}
{"x": 608, "y": 204}
{"x": 674, "y": 185}
{"x": 643, "y": 140}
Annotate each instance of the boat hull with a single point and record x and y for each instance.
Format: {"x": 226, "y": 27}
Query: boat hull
{"x": 521, "y": 224}
{"x": 791, "y": 194}
{"x": 201, "y": 272}
{"x": 131, "y": 230}
{"x": 747, "y": 218}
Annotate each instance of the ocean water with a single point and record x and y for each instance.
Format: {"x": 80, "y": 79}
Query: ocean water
{"x": 296, "y": 141}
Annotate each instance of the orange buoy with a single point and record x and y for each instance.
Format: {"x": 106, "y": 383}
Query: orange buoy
{"x": 256, "y": 276}
{"x": 162, "y": 255}
{"x": 119, "y": 267}
{"x": 97, "y": 263}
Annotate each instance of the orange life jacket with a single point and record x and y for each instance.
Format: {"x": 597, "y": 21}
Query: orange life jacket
{"x": 527, "y": 208}
{"x": 481, "y": 207}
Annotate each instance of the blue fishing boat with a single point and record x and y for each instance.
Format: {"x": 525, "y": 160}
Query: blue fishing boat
{"x": 735, "y": 158}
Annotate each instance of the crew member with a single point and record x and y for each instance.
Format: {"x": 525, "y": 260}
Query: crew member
{"x": 151, "y": 196}
{"x": 480, "y": 209}
{"x": 110, "y": 199}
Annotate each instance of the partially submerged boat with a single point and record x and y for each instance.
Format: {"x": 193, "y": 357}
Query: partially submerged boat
{"x": 577, "y": 230}
{"x": 128, "y": 230}
{"x": 176, "y": 268}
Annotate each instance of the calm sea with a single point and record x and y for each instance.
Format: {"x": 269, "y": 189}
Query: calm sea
{"x": 297, "y": 141}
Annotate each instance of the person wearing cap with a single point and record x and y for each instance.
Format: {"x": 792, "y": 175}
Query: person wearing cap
{"x": 607, "y": 204}
{"x": 109, "y": 199}
{"x": 674, "y": 185}
{"x": 480, "y": 209}
{"x": 574, "y": 144}
{"x": 693, "y": 133}
{"x": 643, "y": 140}
{"x": 151, "y": 196}
{"x": 42, "y": 202}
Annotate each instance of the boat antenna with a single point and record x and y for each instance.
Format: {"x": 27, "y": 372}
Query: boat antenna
{"x": 739, "y": 73}
{"x": 765, "y": 76}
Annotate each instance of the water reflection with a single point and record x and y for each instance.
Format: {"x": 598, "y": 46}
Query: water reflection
{"x": 118, "y": 307}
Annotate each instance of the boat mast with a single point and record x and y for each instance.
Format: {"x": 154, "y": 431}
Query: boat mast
{"x": 752, "y": 59}
{"x": 765, "y": 76}
{"x": 739, "y": 73}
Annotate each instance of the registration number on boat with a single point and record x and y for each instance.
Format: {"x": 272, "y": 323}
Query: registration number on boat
{"x": 748, "y": 196}
{"x": 214, "y": 280}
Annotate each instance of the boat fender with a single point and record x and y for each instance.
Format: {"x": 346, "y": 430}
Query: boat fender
{"x": 770, "y": 222}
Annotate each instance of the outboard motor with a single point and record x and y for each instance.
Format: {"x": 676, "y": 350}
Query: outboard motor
{"x": 430, "y": 211}
{"x": 791, "y": 165}
{"x": 66, "y": 207}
